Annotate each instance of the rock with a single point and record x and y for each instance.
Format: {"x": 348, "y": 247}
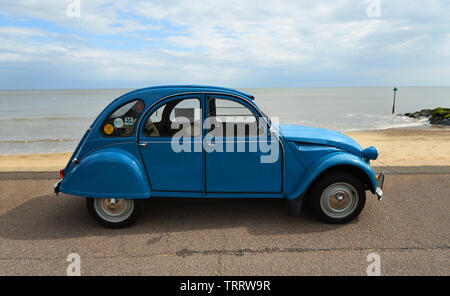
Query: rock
{"x": 438, "y": 116}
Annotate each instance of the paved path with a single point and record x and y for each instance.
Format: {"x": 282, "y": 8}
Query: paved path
{"x": 409, "y": 229}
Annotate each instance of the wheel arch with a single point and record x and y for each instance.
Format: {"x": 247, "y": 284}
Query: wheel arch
{"x": 349, "y": 169}
{"x": 334, "y": 162}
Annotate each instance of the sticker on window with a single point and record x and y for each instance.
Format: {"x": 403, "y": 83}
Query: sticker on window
{"x": 108, "y": 129}
{"x": 128, "y": 120}
{"x": 118, "y": 122}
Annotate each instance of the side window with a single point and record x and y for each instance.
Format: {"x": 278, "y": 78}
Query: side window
{"x": 122, "y": 121}
{"x": 180, "y": 117}
{"x": 228, "y": 118}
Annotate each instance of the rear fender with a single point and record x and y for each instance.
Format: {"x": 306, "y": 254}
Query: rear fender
{"x": 107, "y": 173}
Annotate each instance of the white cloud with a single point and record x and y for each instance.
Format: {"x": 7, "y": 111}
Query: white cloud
{"x": 18, "y": 32}
{"x": 97, "y": 16}
{"x": 226, "y": 42}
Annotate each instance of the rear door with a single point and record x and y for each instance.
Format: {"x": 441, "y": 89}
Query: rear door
{"x": 170, "y": 142}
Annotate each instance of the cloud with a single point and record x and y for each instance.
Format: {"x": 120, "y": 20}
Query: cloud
{"x": 235, "y": 43}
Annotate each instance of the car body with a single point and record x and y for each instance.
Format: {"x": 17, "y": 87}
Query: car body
{"x": 130, "y": 153}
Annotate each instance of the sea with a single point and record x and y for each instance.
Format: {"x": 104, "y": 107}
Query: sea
{"x": 49, "y": 121}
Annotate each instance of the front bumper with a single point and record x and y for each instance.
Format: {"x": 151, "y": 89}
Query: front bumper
{"x": 380, "y": 182}
{"x": 56, "y": 187}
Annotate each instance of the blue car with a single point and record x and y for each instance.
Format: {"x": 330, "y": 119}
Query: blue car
{"x": 212, "y": 142}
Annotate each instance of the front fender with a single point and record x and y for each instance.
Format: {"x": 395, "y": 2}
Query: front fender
{"x": 107, "y": 173}
{"x": 331, "y": 160}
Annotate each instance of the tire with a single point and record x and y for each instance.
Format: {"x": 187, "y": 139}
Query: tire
{"x": 119, "y": 215}
{"x": 337, "y": 197}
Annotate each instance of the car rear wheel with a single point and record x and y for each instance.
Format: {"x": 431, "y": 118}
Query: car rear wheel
{"x": 112, "y": 212}
{"x": 338, "y": 197}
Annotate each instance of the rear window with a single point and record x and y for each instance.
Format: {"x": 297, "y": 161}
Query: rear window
{"x": 122, "y": 121}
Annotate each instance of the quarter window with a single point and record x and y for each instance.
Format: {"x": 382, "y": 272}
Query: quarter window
{"x": 122, "y": 121}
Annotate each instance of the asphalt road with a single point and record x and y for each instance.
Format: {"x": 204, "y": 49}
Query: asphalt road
{"x": 409, "y": 229}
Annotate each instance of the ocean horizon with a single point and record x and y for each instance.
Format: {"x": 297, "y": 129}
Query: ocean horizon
{"x": 49, "y": 121}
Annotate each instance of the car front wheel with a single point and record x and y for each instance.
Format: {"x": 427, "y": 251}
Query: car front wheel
{"x": 338, "y": 197}
{"x": 112, "y": 212}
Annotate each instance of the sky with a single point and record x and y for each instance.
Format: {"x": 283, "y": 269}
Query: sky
{"x": 71, "y": 44}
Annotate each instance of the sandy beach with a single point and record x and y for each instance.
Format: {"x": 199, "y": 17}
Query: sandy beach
{"x": 397, "y": 147}
{"x": 408, "y": 146}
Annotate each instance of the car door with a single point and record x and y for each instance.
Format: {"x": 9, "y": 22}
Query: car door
{"x": 237, "y": 158}
{"x": 170, "y": 142}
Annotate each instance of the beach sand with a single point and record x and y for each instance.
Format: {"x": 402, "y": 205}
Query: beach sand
{"x": 408, "y": 146}
{"x": 397, "y": 147}
{"x": 34, "y": 162}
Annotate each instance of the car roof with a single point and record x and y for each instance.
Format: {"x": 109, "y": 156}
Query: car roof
{"x": 174, "y": 89}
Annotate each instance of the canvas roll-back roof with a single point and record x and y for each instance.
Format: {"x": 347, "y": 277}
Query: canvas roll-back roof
{"x": 158, "y": 92}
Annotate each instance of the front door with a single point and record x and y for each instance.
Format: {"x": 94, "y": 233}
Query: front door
{"x": 242, "y": 155}
{"x": 170, "y": 142}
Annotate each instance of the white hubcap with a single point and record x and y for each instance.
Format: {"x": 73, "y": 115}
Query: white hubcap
{"x": 114, "y": 210}
{"x": 339, "y": 200}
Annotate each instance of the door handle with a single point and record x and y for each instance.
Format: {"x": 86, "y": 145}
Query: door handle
{"x": 143, "y": 144}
